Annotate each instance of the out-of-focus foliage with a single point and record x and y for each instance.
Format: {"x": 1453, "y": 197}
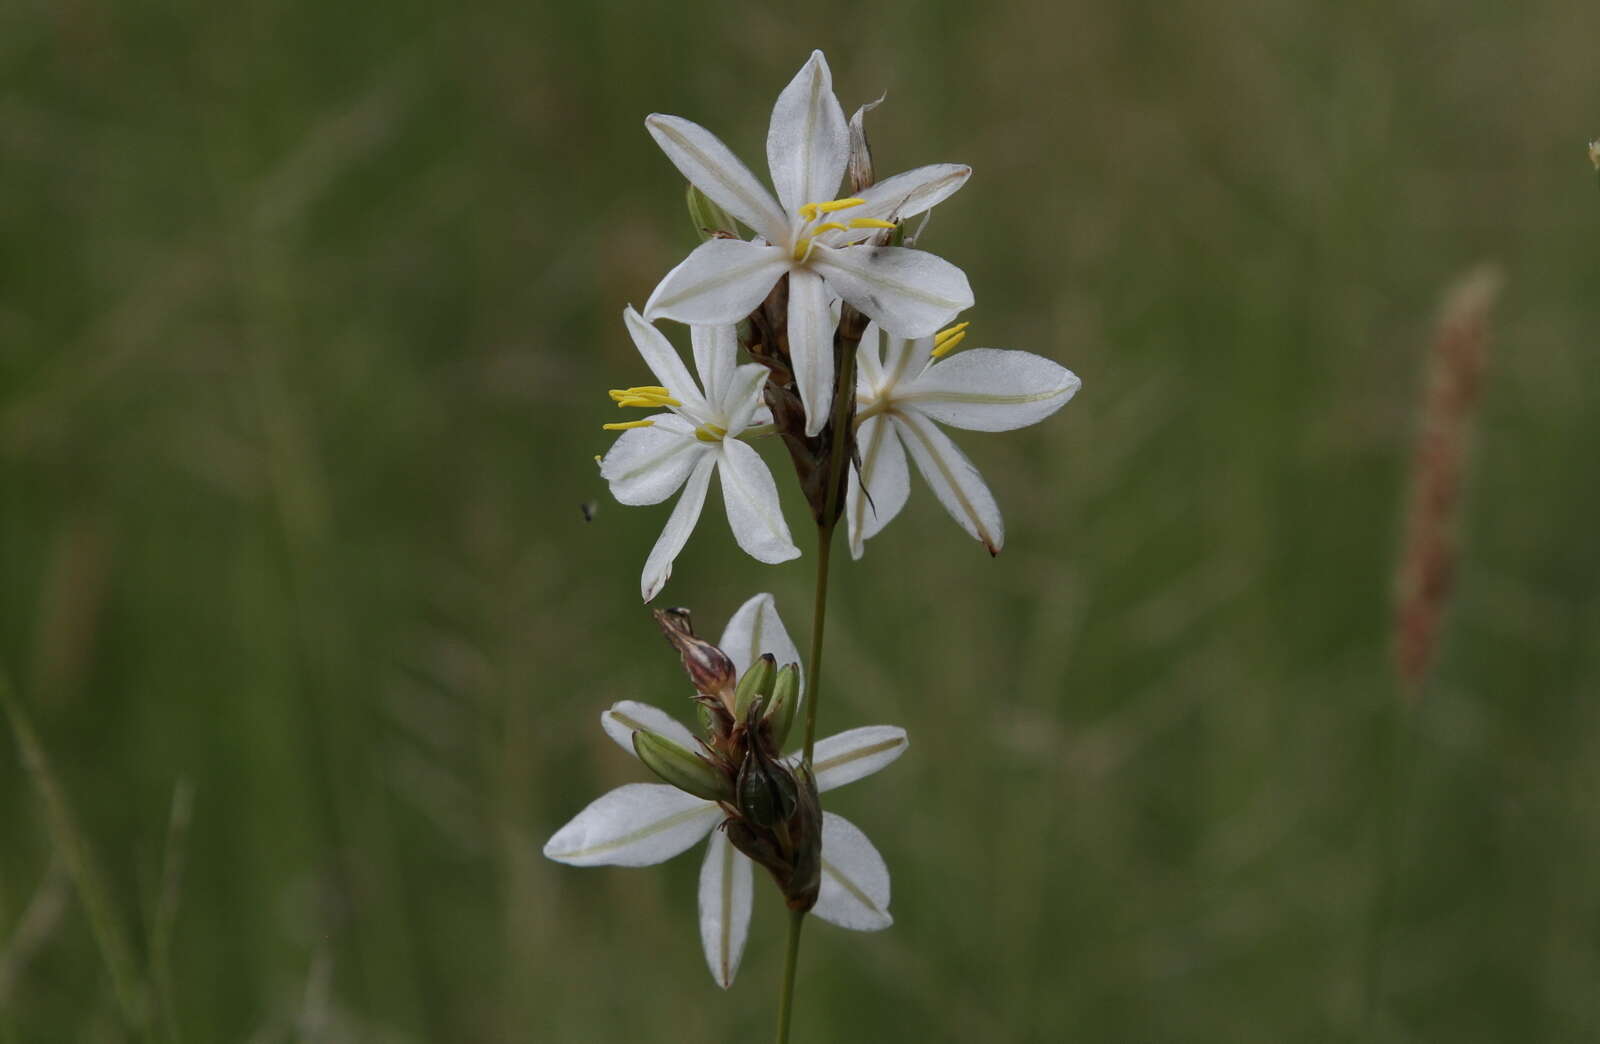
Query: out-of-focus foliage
{"x": 306, "y": 316}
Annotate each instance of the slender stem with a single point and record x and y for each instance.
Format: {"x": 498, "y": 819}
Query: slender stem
{"x": 839, "y": 449}
{"x": 791, "y": 959}
{"x": 819, "y": 614}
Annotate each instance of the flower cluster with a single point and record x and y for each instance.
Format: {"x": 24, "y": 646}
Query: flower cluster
{"x": 787, "y": 295}
{"x": 852, "y": 364}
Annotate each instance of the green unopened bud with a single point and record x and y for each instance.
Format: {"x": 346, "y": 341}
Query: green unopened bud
{"x": 684, "y": 769}
{"x": 710, "y": 220}
{"x": 756, "y": 683}
{"x": 785, "y": 698}
{"x": 767, "y": 794}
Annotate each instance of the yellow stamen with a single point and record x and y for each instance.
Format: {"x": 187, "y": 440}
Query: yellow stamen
{"x": 710, "y": 433}
{"x": 870, "y": 223}
{"x": 809, "y": 211}
{"x": 625, "y": 425}
{"x": 649, "y": 396}
{"x": 643, "y": 389}
{"x": 802, "y": 248}
{"x": 828, "y": 226}
{"x": 945, "y": 341}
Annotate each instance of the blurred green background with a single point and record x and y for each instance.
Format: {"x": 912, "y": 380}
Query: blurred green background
{"x": 307, "y": 312}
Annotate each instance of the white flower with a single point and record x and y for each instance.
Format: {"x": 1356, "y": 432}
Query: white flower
{"x": 819, "y": 241}
{"x": 656, "y": 456}
{"x": 899, "y": 396}
{"x": 640, "y": 824}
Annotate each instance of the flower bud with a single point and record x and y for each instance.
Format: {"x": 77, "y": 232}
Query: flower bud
{"x": 756, "y": 683}
{"x": 767, "y": 793}
{"x": 684, "y": 769}
{"x": 805, "y": 877}
{"x": 785, "y": 698}
{"x": 707, "y": 666}
{"x": 710, "y": 220}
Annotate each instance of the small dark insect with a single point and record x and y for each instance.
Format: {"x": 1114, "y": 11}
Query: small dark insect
{"x": 589, "y": 507}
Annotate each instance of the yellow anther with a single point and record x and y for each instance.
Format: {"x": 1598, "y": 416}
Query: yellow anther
{"x": 625, "y": 425}
{"x": 648, "y": 396}
{"x": 809, "y": 211}
{"x": 870, "y": 223}
{"x": 827, "y": 226}
{"x": 710, "y": 433}
{"x": 632, "y": 393}
{"x": 945, "y": 341}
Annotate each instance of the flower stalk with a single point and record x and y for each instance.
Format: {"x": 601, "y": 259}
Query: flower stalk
{"x": 827, "y": 276}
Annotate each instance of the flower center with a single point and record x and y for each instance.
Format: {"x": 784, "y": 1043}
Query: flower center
{"x": 810, "y": 212}
{"x": 653, "y": 397}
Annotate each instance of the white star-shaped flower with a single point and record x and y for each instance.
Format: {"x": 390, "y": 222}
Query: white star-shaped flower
{"x": 817, "y": 240}
{"x": 699, "y": 434}
{"x": 901, "y": 393}
{"x": 641, "y": 824}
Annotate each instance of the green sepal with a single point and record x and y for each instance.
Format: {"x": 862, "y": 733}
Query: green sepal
{"x": 684, "y": 769}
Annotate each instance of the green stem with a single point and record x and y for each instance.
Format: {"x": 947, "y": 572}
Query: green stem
{"x": 819, "y": 614}
{"x": 791, "y": 960}
{"x": 839, "y": 450}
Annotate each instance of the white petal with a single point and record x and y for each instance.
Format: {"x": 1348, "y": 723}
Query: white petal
{"x": 887, "y": 479}
{"x": 904, "y": 358}
{"x": 953, "y": 479}
{"x": 741, "y": 400}
{"x": 663, "y": 360}
{"x": 639, "y": 824}
{"x": 658, "y": 567}
{"x": 713, "y": 169}
{"x": 905, "y": 195}
{"x": 755, "y": 629}
{"x": 990, "y": 389}
{"x": 811, "y": 325}
{"x": 855, "y": 880}
{"x": 716, "y": 349}
{"x": 623, "y": 719}
{"x": 645, "y": 465}
{"x": 911, "y": 293}
{"x": 726, "y": 892}
{"x": 855, "y": 754}
{"x": 721, "y": 281}
{"x": 869, "y": 361}
{"x": 808, "y": 140}
{"x": 751, "y": 498}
